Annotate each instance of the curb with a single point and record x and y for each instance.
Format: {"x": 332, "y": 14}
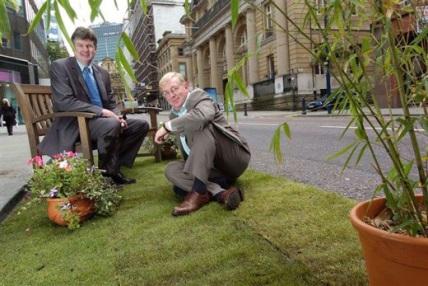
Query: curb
{"x": 11, "y": 204}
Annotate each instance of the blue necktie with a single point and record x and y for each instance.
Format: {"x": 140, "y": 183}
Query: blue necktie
{"x": 94, "y": 94}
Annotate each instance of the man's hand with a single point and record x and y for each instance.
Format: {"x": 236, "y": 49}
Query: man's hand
{"x": 161, "y": 135}
{"x": 109, "y": 113}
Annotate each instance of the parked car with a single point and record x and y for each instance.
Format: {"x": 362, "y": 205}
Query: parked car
{"x": 319, "y": 104}
{"x": 335, "y": 100}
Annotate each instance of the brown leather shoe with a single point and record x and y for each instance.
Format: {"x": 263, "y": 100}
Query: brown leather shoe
{"x": 231, "y": 198}
{"x": 192, "y": 202}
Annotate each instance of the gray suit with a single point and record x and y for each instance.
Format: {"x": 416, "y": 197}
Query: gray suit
{"x": 115, "y": 146}
{"x": 217, "y": 150}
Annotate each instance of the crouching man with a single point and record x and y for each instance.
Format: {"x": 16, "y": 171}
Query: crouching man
{"x": 214, "y": 153}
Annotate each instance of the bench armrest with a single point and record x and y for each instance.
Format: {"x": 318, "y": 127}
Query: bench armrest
{"x": 64, "y": 114}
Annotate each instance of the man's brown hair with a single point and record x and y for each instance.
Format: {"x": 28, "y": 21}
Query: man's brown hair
{"x": 84, "y": 34}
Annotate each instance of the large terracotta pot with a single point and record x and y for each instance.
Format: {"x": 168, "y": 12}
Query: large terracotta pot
{"x": 80, "y": 205}
{"x": 391, "y": 259}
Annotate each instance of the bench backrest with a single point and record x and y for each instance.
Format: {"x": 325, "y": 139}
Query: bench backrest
{"x": 35, "y": 102}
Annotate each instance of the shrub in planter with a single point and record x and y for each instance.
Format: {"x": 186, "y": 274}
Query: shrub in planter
{"x": 74, "y": 188}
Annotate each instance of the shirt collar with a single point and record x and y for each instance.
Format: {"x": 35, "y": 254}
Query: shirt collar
{"x": 82, "y": 66}
{"x": 183, "y": 109}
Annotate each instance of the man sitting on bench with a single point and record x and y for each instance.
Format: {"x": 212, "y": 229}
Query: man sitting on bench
{"x": 79, "y": 85}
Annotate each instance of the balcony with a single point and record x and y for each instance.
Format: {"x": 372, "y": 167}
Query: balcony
{"x": 211, "y": 13}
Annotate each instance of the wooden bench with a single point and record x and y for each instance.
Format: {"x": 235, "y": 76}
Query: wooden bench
{"x": 36, "y": 106}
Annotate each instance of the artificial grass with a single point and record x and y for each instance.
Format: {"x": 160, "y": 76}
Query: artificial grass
{"x": 283, "y": 234}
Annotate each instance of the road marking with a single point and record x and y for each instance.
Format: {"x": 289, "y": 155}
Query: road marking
{"x": 260, "y": 124}
{"x": 366, "y": 128}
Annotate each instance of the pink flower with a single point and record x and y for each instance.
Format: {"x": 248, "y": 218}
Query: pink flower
{"x": 36, "y": 161}
{"x": 70, "y": 154}
{"x": 57, "y": 157}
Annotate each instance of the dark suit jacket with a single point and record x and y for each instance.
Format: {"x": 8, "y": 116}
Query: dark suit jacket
{"x": 202, "y": 111}
{"x": 71, "y": 94}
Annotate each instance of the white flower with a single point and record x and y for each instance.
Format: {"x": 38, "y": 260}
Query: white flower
{"x": 53, "y": 193}
{"x": 63, "y": 164}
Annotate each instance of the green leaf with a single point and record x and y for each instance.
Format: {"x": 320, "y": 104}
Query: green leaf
{"x": 4, "y": 19}
{"x": 95, "y": 9}
{"x": 234, "y": 7}
{"x": 286, "y": 129}
{"x": 48, "y": 14}
{"x": 144, "y": 6}
{"x": 240, "y": 84}
{"x": 61, "y": 24}
{"x": 37, "y": 18}
{"x": 130, "y": 46}
{"x": 275, "y": 145}
{"x": 68, "y": 9}
{"x": 361, "y": 154}
{"x": 124, "y": 63}
{"x": 341, "y": 151}
{"x": 187, "y": 7}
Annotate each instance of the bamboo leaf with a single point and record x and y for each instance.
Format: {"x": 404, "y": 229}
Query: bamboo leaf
{"x": 240, "y": 84}
{"x": 286, "y": 129}
{"x": 37, "y": 18}
{"x": 4, "y": 19}
{"x": 95, "y": 9}
{"x": 130, "y": 46}
{"x": 48, "y": 14}
{"x": 361, "y": 154}
{"x": 68, "y": 9}
{"x": 144, "y": 6}
{"x": 341, "y": 151}
{"x": 348, "y": 159}
{"x": 124, "y": 63}
{"x": 187, "y": 7}
{"x": 61, "y": 24}
{"x": 234, "y": 6}
{"x": 275, "y": 145}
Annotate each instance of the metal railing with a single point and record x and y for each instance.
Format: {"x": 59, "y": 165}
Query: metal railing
{"x": 211, "y": 13}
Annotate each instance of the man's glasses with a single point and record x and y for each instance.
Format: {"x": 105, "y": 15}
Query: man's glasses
{"x": 170, "y": 92}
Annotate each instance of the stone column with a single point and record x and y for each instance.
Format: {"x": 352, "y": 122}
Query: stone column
{"x": 189, "y": 69}
{"x": 251, "y": 45}
{"x": 200, "y": 68}
{"x": 229, "y": 48}
{"x": 281, "y": 39}
{"x": 213, "y": 64}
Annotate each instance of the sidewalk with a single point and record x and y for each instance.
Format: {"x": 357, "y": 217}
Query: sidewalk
{"x": 14, "y": 170}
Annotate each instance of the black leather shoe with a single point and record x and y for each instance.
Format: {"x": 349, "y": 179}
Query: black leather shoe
{"x": 120, "y": 179}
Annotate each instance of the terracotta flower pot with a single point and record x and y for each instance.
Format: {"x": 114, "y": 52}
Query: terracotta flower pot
{"x": 80, "y": 205}
{"x": 391, "y": 259}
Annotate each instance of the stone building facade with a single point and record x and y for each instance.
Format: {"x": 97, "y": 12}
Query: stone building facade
{"x": 279, "y": 72}
{"x": 171, "y": 57}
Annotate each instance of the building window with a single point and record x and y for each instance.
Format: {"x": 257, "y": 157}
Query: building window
{"x": 243, "y": 39}
{"x": 270, "y": 61}
{"x": 17, "y": 40}
{"x": 318, "y": 68}
{"x": 180, "y": 52}
{"x": 268, "y": 17}
{"x": 182, "y": 69}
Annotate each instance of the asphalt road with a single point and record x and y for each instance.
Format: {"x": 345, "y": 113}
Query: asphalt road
{"x": 314, "y": 139}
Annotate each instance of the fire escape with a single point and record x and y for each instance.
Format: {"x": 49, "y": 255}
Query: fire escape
{"x": 146, "y": 70}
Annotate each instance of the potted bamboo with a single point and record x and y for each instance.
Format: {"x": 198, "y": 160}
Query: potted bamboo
{"x": 393, "y": 229}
